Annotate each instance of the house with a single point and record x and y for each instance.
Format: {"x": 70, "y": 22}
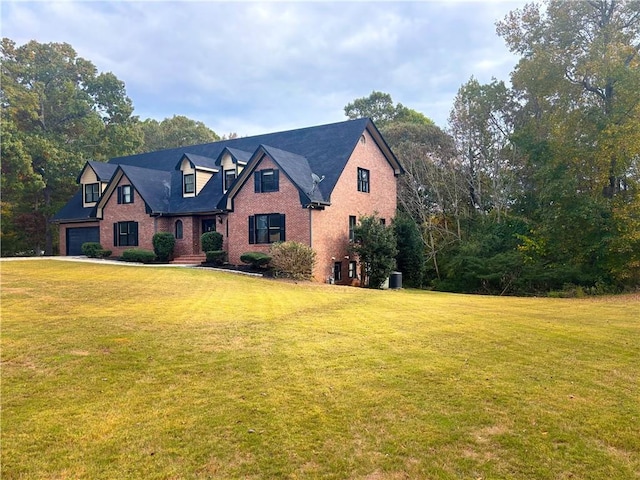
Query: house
{"x": 309, "y": 185}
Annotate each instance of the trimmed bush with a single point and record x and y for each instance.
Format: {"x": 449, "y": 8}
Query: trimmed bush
{"x": 217, "y": 257}
{"x": 103, "y": 253}
{"x": 255, "y": 259}
{"x": 138, "y": 255}
{"x": 211, "y": 241}
{"x": 163, "y": 245}
{"x": 90, "y": 249}
{"x": 293, "y": 259}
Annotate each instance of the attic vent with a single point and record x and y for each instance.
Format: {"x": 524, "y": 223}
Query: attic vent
{"x": 363, "y": 139}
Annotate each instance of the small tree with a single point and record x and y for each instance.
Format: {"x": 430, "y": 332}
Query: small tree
{"x": 410, "y": 259}
{"x": 211, "y": 241}
{"x": 375, "y": 245}
{"x": 293, "y": 259}
{"x": 163, "y": 245}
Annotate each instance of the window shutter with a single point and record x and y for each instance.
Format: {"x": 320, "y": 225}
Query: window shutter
{"x": 134, "y": 232}
{"x": 283, "y": 237}
{"x": 131, "y": 190}
{"x": 257, "y": 177}
{"x": 119, "y": 194}
{"x": 252, "y": 230}
{"x": 115, "y": 234}
{"x": 276, "y": 182}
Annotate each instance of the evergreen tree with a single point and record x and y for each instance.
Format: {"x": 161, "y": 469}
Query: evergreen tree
{"x": 375, "y": 245}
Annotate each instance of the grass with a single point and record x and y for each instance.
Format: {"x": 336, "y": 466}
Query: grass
{"x": 164, "y": 373}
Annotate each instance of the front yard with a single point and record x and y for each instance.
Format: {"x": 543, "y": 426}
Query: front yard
{"x": 113, "y": 371}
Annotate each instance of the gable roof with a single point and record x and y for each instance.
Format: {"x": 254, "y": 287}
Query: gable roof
{"x": 199, "y": 161}
{"x": 240, "y": 156}
{"x": 294, "y": 166}
{"x": 326, "y": 148}
{"x": 103, "y": 170}
{"x": 321, "y": 150}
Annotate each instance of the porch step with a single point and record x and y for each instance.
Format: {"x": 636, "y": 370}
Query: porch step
{"x": 190, "y": 259}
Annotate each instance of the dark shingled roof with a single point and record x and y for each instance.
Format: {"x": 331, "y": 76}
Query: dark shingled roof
{"x": 297, "y": 168}
{"x": 239, "y": 155}
{"x": 154, "y": 186}
{"x": 74, "y": 211}
{"x": 104, "y": 171}
{"x": 326, "y": 148}
{"x": 322, "y": 150}
{"x": 200, "y": 161}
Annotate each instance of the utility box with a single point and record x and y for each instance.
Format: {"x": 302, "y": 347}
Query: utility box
{"x": 395, "y": 280}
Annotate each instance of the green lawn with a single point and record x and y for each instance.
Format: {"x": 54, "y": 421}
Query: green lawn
{"x": 121, "y": 372}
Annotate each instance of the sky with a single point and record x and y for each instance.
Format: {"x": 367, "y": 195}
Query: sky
{"x": 251, "y": 68}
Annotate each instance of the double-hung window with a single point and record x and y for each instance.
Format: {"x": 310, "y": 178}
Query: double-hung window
{"x": 189, "y": 183}
{"x": 266, "y": 181}
{"x": 269, "y": 228}
{"x": 229, "y": 177}
{"x": 125, "y": 194}
{"x": 363, "y": 180}
{"x": 125, "y": 234}
{"x": 91, "y": 192}
{"x": 353, "y": 269}
{"x": 352, "y": 228}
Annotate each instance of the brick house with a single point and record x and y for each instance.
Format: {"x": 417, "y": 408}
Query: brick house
{"x": 309, "y": 185}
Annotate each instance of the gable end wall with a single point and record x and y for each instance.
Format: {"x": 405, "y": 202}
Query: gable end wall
{"x": 331, "y": 226}
{"x": 246, "y": 202}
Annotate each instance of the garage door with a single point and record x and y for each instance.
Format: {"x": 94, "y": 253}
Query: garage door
{"x": 77, "y": 236}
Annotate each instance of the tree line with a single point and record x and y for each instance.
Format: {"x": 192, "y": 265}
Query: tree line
{"x": 532, "y": 187}
{"x": 57, "y": 112}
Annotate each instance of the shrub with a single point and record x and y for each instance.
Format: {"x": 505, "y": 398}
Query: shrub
{"x": 293, "y": 259}
{"x": 163, "y": 245}
{"x": 90, "y": 249}
{"x": 211, "y": 241}
{"x": 103, "y": 253}
{"x": 138, "y": 255}
{"x": 255, "y": 259}
{"x": 375, "y": 244}
{"x": 217, "y": 257}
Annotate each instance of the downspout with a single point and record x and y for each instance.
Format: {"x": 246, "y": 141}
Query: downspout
{"x": 310, "y": 227}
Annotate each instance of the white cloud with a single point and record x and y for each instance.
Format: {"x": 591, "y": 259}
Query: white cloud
{"x": 257, "y": 67}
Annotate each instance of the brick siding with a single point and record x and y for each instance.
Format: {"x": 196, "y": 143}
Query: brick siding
{"x": 246, "y": 202}
{"x": 331, "y": 226}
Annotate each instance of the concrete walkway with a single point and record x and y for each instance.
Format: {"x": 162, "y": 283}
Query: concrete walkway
{"x": 104, "y": 261}
{"x": 127, "y": 264}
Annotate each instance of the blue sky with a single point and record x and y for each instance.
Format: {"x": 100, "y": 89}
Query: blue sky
{"x": 254, "y": 68}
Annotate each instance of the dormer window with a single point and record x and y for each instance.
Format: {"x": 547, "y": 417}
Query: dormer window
{"x": 91, "y": 193}
{"x": 229, "y": 178}
{"x": 266, "y": 181}
{"x": 189, "y": 182}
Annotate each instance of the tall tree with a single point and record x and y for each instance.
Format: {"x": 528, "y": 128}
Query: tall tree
{"x": 176, "y": 131}
{"x": 481, "y": 123}
{"x": 431, "y": 190}
{"x": 380, "y": 108}
{"x": 58, "y": 112}
{"x": 578, "y": 82}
